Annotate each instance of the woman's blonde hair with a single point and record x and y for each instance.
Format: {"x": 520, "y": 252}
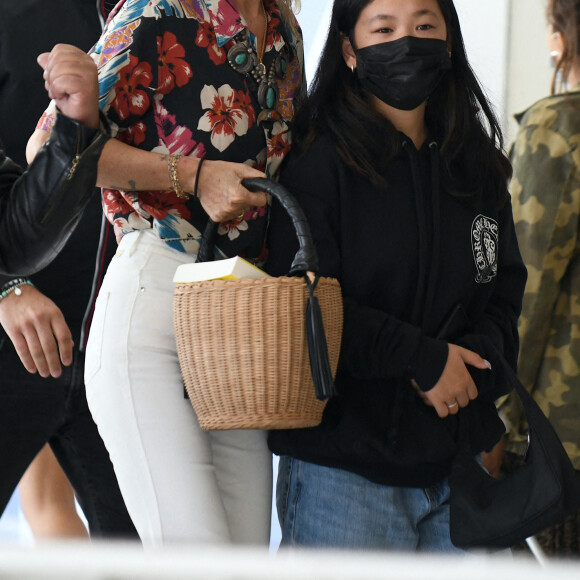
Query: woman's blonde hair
{"x": 288, "y": 8}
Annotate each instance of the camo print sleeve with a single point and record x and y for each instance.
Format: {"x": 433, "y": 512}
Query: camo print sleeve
{"x": 546, "y": 200}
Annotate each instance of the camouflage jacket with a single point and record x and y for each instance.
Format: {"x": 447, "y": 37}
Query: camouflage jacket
{"x": 546, "y": 203}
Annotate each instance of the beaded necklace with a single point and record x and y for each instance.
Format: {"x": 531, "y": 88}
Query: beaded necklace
{"x": 244, "y": 59}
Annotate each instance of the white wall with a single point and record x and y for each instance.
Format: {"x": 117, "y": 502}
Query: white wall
{"x": 314, "y": 18}
{"x": 485, "y": 28}
{"x": 477, "y": 19}
{"x": 505, "y": 42}
{"x": 527, "y": 67}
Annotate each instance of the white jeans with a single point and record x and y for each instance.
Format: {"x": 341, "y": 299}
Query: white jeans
{"x": 180, "y": 484}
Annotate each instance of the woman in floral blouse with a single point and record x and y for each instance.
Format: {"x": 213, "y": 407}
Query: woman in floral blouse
{"x": 181, "y": 81}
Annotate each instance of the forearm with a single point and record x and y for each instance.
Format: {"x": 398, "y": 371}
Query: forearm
{"x": 128, "y": 168}
{"x": 41, "y": 208}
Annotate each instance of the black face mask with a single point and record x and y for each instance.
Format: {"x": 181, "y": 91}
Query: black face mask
{"x": 404, "y": 72}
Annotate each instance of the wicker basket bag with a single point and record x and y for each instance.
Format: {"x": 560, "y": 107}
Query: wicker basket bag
{"x": 272, "y": 368}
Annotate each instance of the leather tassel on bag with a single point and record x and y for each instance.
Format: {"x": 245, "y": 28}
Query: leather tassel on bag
{"x": 317, "y": 347}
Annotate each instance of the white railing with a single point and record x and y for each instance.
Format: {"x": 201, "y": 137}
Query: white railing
{"x": 108, "y": 561}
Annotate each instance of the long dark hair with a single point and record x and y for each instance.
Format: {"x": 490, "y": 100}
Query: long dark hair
{"x": 564, "y": 16}
{"x": 458, "y": 114}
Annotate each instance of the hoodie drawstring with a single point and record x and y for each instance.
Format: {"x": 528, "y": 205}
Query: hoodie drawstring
{"x": 436, "y": 241}
{"x": 429, "y": 258}
{"x": 429, "y": 250}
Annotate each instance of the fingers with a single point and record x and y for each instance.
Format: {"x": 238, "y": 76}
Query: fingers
{"x": 34, "y": 356}
{"x": 24, "y": 354}
{"x": 221, "y": 192}
{"x": 38, "y": 331}
{"x": 48, "y": 344}
{"x": 455, "y": 388}
{"x": 473, "y": 359}
{"x": 66, "y": 79}
{"x": 53, "y": 343}
{"x": 251, "y": 199}
{"x": 457, "y": 397}
{"x": 64, "y": 340}
{"x": 42, "y": 59}
{"x": 71, "y": 80}
{"x": 444, "y": 410}
{"x": 44, "y": 353}
{"x": 493, "y": 460}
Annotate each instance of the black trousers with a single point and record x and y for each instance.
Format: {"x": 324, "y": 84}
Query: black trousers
{"x": 34, "y": 411}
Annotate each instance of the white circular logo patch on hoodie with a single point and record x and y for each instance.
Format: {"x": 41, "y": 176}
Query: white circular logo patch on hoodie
{"x": 484, "y": 241}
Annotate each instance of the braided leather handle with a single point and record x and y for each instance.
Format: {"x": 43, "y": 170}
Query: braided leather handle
{"x": 306, "y": 258}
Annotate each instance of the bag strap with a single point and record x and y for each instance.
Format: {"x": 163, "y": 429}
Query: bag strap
{"x": 306, "y": 258}
{"x": 535, "y": 417}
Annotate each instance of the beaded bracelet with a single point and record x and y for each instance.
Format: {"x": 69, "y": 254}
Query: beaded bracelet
{"x": 173, "y": 179}
{"x": 14, "y": 285}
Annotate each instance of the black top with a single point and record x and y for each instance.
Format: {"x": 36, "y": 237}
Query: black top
{"x": 41, "y": 207}
{"x": 406, "y": 254}
{"x": 27, "y": 28}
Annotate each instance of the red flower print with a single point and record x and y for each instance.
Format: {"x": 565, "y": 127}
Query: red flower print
{"x": 114, "y": 203}
{"x": 134, "y": 135}
{"x": 279, "y": 144}
{"x": 274, "y": 37}
{"x": 244, "y": 103}
{"x": 159, "y": 204}
{"x": 174, "y": 138}
{"x": 254, "y": 213}
{"x": 173, "y": 70}
{"x": 206, "y": 38}
{"x": 224, "y": 119}
{"x": 130, "y": 95}
{"x": 233, "y": 228}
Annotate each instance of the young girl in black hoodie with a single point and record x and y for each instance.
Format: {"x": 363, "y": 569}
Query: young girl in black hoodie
{"x": 399, "y": 167}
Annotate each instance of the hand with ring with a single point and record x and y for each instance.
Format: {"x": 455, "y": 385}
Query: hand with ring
{"x": 220, "y": 188}
{"x": 455, "y": 383}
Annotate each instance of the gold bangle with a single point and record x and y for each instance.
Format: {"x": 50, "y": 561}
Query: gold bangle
{"x": 173, "y": 179}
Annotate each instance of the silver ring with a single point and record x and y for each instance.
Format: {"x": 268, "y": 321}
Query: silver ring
{"x": 451, "y": 406}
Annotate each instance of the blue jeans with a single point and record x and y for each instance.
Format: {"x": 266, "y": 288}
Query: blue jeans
{"x": 324, "y": 507}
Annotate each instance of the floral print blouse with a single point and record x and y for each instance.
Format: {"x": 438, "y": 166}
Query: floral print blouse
{"x": 167, "y": 85}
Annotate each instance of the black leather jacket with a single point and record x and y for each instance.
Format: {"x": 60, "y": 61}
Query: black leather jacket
{"x": 40, "y": 207}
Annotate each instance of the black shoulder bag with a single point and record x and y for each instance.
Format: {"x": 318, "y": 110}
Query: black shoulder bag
{"x": 498, "y": 513}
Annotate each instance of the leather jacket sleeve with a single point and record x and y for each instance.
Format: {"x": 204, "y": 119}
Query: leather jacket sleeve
{"x": 40, "y": 207}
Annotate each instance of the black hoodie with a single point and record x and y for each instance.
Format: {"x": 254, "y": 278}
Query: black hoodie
{"x": 406, "y": 255}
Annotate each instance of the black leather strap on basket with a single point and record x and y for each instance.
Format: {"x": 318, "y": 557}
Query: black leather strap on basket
{"x": 305, "y": 261}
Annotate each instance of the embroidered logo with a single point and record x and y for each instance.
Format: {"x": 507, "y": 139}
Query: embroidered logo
{"x": 484, "y": 241}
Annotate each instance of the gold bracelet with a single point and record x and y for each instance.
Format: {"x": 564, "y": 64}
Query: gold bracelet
{"x": 173, "y": 179}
